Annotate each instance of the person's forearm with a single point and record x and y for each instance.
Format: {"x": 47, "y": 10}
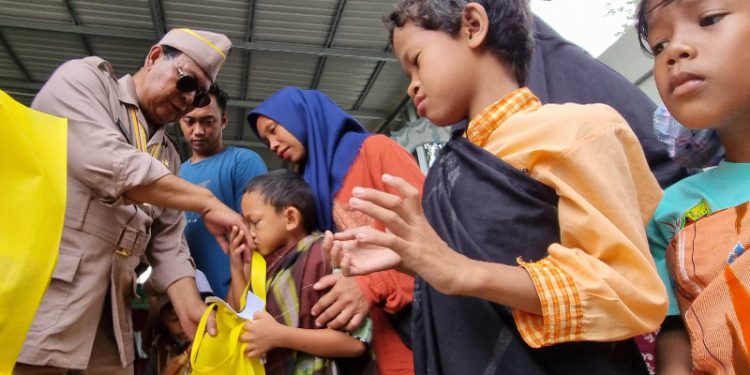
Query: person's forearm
{"x": 321, "y": 342}
{"x": 173, "y": 192}
{"x": 500, "y": 283}
{"x": 673, "y": 348}
{"x": 184, "y": 294}
{"x": 236, "y": 288}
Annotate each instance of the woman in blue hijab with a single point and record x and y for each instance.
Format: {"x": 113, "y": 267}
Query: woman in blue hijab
{"x": 330, "y": 137}
{"x": 334, "y": 154}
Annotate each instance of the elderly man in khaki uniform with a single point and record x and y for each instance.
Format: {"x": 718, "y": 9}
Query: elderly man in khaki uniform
{"x": 124, "y": 201}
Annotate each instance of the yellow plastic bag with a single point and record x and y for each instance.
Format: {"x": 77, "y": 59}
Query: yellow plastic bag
{"x": 33, "y": 170}
{"x": 224, "y": 353}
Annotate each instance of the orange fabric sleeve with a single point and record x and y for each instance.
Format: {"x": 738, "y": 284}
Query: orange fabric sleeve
{"x": 379, "y": 154}
{"x": 599, "y": 283}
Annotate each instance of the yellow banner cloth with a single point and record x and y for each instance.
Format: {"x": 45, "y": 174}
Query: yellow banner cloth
{"x": 33, "y": 171}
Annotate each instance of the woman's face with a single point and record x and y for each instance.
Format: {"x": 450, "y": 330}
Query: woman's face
{"x": 280, "y": 140}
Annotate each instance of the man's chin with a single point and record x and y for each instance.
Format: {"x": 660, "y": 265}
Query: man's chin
{"x": 171, "y": 115}
{"x": 199, "y": 151}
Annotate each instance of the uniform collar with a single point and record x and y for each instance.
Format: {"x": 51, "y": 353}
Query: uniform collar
{"x": 126, "y": 94}
{"x": 126, "y": 90}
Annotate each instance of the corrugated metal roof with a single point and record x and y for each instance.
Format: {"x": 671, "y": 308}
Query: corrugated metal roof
{"x": 337, "y": 46}
{"x": 47, "y": 10}
{"x": 362, "y": 26}
{"x": 228, "y": 17}
{"x": 40, "y": 60}
{"x": 296, "y": 22}
{"x": 131, "y": 14}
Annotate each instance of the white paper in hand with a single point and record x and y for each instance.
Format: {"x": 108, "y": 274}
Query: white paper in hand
{"x": 253, "y": 303}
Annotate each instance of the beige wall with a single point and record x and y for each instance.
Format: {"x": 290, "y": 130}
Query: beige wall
{"x": 625, "y": 56}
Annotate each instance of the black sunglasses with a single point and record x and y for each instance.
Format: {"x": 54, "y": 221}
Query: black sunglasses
{"x": 187, "y": 83}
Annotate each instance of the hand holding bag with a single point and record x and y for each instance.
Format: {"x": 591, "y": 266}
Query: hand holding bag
{"x": 224, "y": 353}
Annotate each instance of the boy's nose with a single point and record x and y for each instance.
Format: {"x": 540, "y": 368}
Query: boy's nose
{"x": 677, "y": 51}
{"x": 413, "y": 87}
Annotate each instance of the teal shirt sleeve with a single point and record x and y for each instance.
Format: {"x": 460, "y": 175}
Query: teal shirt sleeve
{"x": 659, "y": 237}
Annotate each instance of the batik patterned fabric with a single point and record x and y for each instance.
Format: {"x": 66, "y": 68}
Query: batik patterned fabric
{"x": 689, "y": 200}
{"x": 710, "y": 267}
{"x": 290, "y": 297}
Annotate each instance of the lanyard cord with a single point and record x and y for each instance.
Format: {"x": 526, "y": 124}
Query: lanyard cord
{"x": 140, "y": 135}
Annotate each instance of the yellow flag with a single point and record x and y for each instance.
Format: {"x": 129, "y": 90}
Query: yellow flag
{"x": 33, "y": 171}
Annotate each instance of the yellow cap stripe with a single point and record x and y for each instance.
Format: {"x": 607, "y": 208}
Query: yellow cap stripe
{"x": 204, "y": 40}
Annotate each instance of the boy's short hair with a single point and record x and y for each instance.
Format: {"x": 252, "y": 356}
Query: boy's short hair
{"x": 283, "y": 188}
{"x": 641, "y": 22}
{"x": 221, "y": 97}
{"x": 509, "y": 36}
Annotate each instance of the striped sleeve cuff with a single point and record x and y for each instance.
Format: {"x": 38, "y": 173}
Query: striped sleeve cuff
{"x": 562, "y": 313}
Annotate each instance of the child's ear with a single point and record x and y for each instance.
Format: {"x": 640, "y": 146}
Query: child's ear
{"x": 475, "y": 24}
{"x": 293, "y": 218}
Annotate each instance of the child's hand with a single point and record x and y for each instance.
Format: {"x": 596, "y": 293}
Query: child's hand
{"x": 409, "y": 241}
{"x": 262, "y": 334}
{"x": 355, "y": 258}
{"x": 176, "y": 363}
{"x": 236, "y": 249}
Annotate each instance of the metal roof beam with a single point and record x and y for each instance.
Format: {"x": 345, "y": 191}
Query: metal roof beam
{"x": 24, "y": 94}
{"x": 318, "y": 72}
{"x": 351, "y": 53}
{"x": 7, "y": 84}
{"x": 329, "y": 43}
{"x": 145, "y": 35}
{"x": 363, "y": 114}
{"x": 33, "y": 87}
{"x": 19, "y": 85}
{"x": 249, "y": 35}
{"x": 371, "y": 81}
{"x": 14, "y": 57}
{"x": 368, "y": 86}
{"x": 387, "y": 123}
{"x": 77, "y": 21}
{"x": 31, "y": 24}
{"x": 157, "y": 17}
{"x": 336, "y": 22}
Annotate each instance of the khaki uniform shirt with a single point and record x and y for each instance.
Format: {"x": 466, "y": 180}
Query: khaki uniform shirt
{"x": 105, "y": 234}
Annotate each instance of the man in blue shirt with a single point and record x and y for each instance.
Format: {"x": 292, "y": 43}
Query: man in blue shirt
{"x": 225, "y": 170}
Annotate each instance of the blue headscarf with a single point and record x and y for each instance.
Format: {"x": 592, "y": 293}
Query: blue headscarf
{"x": 332, "y": 139}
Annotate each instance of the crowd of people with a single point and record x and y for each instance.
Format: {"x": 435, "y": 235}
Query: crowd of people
{"x": 540, "y": 241}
